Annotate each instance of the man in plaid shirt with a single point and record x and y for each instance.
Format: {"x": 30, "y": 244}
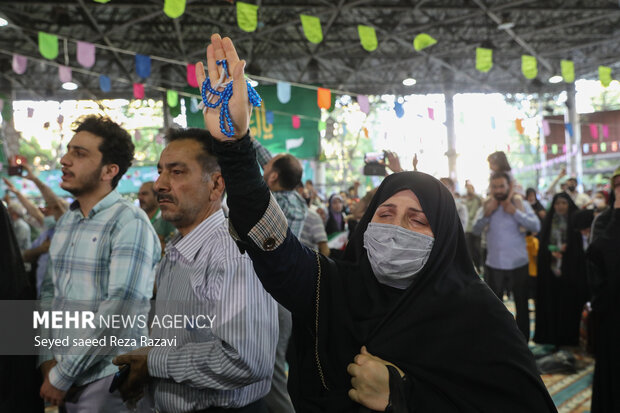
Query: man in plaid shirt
{"x": 104, "y": 252}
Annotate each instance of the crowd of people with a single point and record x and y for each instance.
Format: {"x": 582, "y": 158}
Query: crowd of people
{"x": 404, "y": 313}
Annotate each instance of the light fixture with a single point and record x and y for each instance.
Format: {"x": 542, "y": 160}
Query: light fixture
{"x": 69, "y": 86}
{"x": 505, "y": 25}
{"x": 409, "y": 81}
{"x": 3, "y": 22}
{"x": 555, "y": 79}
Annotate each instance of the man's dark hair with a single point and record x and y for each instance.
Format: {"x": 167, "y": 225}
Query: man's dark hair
{"x": 571, "y": 179}
{"x": 500, "y": 175}
{"x": 116, "y": 146}
{"x": 204, "y": 138}
{"x": 289, "y": 171}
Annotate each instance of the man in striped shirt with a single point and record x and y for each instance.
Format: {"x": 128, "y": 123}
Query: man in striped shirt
{"x": 102, "y": 255}
{"x": 227, "y": 363}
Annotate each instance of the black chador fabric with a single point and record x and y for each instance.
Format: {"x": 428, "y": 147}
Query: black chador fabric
{"x": 19, "y": 377}
{"x": 560, "y": 299}
{"x": 457, "y": 343}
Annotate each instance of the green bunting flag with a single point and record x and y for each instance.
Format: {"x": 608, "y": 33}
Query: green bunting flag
{"x": 529, "y": 66}
{"x": 368, "y": 37}
{"x": 422, "y": 41}
{"x": 568, "y": 71}
{"x": 174, "y": 8}
{"x": 102, "y": 1}
{"x": 48, "y": 45}
{"x": 604, "y": 75}
{"x": 484, "y": 59}
{"x": 247, "y": 16}
{"x": 312, "y": 28}
{"x": 172, "y": 96}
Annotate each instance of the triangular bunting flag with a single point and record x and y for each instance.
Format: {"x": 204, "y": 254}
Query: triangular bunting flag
{"x": 296, "y": 121}
{"x": 85, "y": 54}
{"x": 368, "y": 37}
{"x": 324, "y": 98}
{"x": 519, "y": 126}
{"x": 104, "y": 83}
{"x": 604, "y": 75}
{"x": 48, "y": 45}
{"x": 605, "y": 131}
{"x": 546, "y": 128}
{"x": 431, "y": 113}
{"x": 172, "y": 97}
{"x": 247, "y": 18}
{"x": 568, "y": 71}
{"x": 529, "y": 66}
{"x": 138, "y": 90}
{"x": 191, "y": 75}
{"x": 484, "y": 59}
{"x": 398, "y": 109}
{"x": 321, "y": 125}
{"x": 362, "y": 100}
{"x": 19, "y": 64}
{"x": 143, "y": 66}
{"x": 284, "y": 92}
{"x": 312, "y": 28}
{"x": 174, "y": 8}
{"x": 422, "y": 41}
{"x": 64, "y": 74}
{"x": 594, "y": 130}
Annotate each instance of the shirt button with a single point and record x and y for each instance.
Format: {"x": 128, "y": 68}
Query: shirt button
{"x": 269, "y": 244}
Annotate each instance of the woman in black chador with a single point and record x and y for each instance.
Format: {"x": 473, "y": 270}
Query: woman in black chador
{"x": 562, "y": 281}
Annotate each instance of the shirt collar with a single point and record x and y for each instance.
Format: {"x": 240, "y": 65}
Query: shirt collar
{"x": 104, "y": 203}
{"x": 189, "y": 245}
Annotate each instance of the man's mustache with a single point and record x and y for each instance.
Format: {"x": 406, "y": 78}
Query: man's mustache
{"x": 162, "y": 197}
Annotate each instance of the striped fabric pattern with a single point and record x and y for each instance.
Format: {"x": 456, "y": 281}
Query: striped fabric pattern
{"x": 228, "y": 365}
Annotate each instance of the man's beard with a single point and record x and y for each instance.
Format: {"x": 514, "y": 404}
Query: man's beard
{"x": 88, "y": 183}
{"x": 501, "y": 197}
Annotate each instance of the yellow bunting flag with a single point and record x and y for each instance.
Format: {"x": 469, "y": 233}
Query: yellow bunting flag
{"x": 312, "y": 28}
{"x": 529, "y": 66}
{"x": 247, "y": 16}
{"x": 604, "y": 75}
{"x": 101, "y": 1}
{"x": 568, "y": 71}
{"x": 422, "y": 41}
{"x": 48, "y": 45}
{"x": 174, "y": 8}
{"x": 368, "y": 37}
{"x": 484, "y": 59}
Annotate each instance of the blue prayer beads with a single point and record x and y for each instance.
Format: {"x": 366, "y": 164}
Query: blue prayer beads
{"x": 226, "y": 124}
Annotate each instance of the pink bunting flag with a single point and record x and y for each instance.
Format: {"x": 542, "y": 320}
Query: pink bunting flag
{"x": 362, "y": 100}
{"x": 64, "y": 74}
{"x": 605, "y": 131}
{"x": 30, "y": 112}
{"x": 431, "y": 113}
{"x": 564, "y": 148}
{"x": 191, "y": 75}
{"x": 19, "y": 64}
{"x": 546, "y": 128}
{"x": 296, "y": 122}
{"x": 545, "y": 149}
{"x": 138, "y": 90}
{"x": 86, "y": 54}
{"x": 594, "y": 130}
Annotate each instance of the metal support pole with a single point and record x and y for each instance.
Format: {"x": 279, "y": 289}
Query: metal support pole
{"x": 451, "y": 152}
{"x": 574, "y": 166}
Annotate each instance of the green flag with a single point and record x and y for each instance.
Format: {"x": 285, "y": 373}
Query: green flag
{"x": 102, "y": 1}
{"x": 280, "y": 136}
{"x": 247, "y": 16}
{"x": 422, "y": 41}
{"x": 48, "y": 45}
{"x": 604, "y": 75}
{"x": 529, "y": 66}
{"x": 568, "y": 71}
{"x": 484, "y": 59}
{"x": 172, "y": 96}
{"x": 312, "y": 28}
{"x": 174, "y": 8}
{"x": 368, "y": 37}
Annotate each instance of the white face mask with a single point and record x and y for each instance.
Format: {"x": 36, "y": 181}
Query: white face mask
{"x": 396, "y": 254}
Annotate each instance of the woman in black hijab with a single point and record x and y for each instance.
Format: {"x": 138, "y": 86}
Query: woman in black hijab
{"x": 562, "y": 281}
{"x": 456, "y": 343}
{"x": 407, "y": 298}
{"x": 19, "y": 378}
{"x": 335, "y": 216}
